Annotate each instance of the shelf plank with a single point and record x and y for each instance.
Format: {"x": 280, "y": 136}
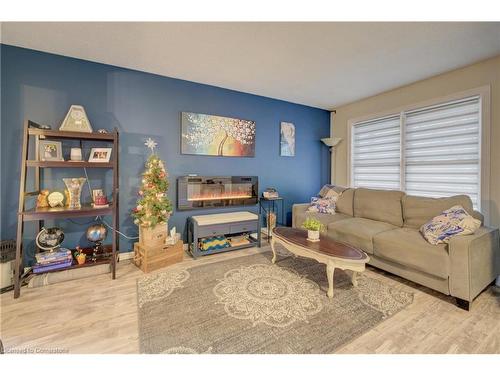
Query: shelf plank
{"x": 75, "y": 265}
{"x": 67, "y": 164}
{"x": 71, "y": 135}
{"x": 63, "y": 212}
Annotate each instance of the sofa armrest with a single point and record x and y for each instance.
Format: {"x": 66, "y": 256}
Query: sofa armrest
{"x": 474, "y": 262}
{"x": 296, "y": 209}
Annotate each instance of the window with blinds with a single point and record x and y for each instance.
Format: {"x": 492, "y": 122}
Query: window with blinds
{"x": 376, "y": 154}
{"x": 433, "y": 152}
{"x": 442, "y": 150}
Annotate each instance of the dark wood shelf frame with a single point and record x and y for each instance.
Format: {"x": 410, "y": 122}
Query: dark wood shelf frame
{"x": 63, "y": 212}
{"x": 67, "y": 164}
{"x": 56, "y": 134}
{"x": 59, "y": 213}
{"x": 88, "y": 263}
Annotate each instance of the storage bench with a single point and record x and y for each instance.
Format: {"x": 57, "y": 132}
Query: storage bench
{"x": 226, "y": 224}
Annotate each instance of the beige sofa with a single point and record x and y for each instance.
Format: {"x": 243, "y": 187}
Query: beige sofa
{"x": 385, "y": 224}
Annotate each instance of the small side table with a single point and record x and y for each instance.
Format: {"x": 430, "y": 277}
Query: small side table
{"x": 266, "y": 206}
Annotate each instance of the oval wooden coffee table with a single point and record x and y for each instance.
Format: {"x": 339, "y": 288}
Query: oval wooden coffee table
{"x": 327, "y": 251}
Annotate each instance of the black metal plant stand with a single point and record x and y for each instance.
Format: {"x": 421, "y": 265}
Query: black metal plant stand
{"x": 266, "y": 206}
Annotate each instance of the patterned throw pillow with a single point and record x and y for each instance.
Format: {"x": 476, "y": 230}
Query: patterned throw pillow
{"x": 326, "y": 191}
{"x": 330, "y": 191}
{"x": 452, "y": 222}
{"x": 322, "y": 205}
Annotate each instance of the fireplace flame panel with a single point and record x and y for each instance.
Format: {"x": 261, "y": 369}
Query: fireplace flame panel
{"x": 195, "y": 192}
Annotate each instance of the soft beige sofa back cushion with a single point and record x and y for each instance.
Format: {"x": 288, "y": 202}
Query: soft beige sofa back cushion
{"x": 345, "y": 203}
{"x": 419, "y": 210}
{"x": 381, "y": 205}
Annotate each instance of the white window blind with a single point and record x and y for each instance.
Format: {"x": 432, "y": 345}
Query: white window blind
{"x": 442, "y": 150}
{"x": 376, "y": 154}
{"x": 433, "y": 151}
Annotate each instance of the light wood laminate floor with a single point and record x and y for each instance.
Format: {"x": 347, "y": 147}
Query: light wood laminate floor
{"x": 99, "y": 315}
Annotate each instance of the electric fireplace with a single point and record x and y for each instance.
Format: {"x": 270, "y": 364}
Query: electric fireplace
{"x": 195, "y": 192}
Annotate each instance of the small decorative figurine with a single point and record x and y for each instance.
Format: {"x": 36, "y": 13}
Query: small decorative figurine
{"x": 80, "y": 256}
{"x": 41, "y": 200}
{"x": 55, "y": 199}
{"x": 38, "y": 126}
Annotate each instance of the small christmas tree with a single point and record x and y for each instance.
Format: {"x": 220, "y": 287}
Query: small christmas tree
{"x": 153, "y": 206}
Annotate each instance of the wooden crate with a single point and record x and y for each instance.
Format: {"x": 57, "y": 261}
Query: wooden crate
{"x": 151, "y": 258}
{"x": 153, "y": 236}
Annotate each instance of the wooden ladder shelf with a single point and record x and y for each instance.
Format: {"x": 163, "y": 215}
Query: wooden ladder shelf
{"x": 41, "y": 214}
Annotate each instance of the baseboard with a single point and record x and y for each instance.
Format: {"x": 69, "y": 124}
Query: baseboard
{"x": 127, "y": 255}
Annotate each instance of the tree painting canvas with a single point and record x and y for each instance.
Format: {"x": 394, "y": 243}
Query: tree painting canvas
{"x": 287, "y": 139}
{"x": 217, "y": 136}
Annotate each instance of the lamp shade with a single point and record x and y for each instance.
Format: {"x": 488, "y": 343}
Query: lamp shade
{"x": 331, "y": 142}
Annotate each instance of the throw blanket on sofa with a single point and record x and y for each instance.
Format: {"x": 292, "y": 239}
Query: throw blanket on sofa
{"x": 452, "y": 222}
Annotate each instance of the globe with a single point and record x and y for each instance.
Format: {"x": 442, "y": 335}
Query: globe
{"x": 96, "y": 233}
{"x": 49, "y": 238}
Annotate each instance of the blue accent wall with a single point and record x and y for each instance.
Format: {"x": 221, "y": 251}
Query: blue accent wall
{"x": 41, "y": 87}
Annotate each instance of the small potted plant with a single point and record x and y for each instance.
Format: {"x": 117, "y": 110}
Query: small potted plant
{"x": 80, "y": 255}
{"x": 313, "y": 226}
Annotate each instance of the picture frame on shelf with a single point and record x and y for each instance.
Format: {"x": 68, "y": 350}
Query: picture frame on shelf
{"x": 100, "y": 155}
{"x": 76, "y": 120}
{"x": 99, "y": 199}
{"x": 50, "y": 150}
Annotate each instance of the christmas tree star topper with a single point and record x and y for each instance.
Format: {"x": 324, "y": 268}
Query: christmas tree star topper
{"x": 151, "y": 144}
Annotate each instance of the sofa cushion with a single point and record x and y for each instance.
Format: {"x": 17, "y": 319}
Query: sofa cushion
{"x": 380, "y": 205}
{"x": 357, "y": 232}
{"x": 419, "y": 210}
{"x": 407, "y": 247}
{"x": 345, "y": 202}
{"x": 324, "y": 218}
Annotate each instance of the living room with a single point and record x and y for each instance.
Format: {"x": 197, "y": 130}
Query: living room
{"x": 250, "y": 187}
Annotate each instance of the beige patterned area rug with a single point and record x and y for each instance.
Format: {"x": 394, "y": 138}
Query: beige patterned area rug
{"x": 249, "y": 305}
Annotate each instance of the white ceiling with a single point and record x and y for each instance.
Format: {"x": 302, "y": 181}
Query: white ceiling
{"x": 318, "y": 64}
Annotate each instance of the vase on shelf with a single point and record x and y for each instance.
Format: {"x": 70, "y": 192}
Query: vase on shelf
{"x": 74, "y": 186}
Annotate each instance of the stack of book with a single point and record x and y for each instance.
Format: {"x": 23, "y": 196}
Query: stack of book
{"x": 53, "y": 260}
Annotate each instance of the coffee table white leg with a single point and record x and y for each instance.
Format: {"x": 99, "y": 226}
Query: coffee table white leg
{"x": 274, "y": 250}
{"x": 330, "y": 269}
{"x": 354, "y": 278}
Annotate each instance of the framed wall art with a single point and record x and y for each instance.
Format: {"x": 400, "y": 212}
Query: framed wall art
{"x": 287, "y": 139}
{"x": 216, "y": 135}
{"x": 50, "y": 151}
